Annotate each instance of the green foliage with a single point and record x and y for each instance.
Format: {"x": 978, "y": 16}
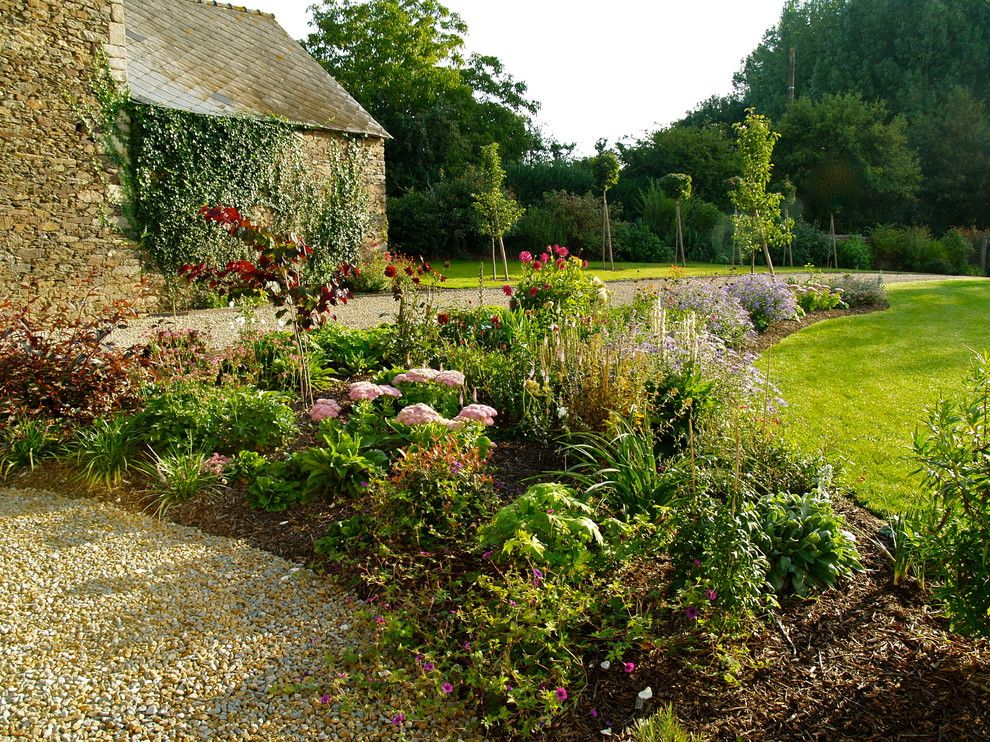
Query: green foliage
{"x": 758, "y": 222}
{"x": 558, "y": 288}
{"x": 496, "y": 210}
{"x": 438, "y": 219}
{"x": 226, "y": 419}
{"x": 857, "y": 291}
{"x": 342, "y": 466}
{"x": 676, "y": 186}
{"x": 662, "y": 727}
{"x": 547, "y": 525}
{"x": 404, "y": 61}
{"x": 913, "y": 249}
{"x": 179, "y": 161}
{"x": 701, "y": 221}
{"x": 638, "y": 243}
{"x": 270, "y": 485}
{"x": 24, "y": 442}
{"x": 847, "y": 156}
{"x": 952, "y": 450}
{"x": 274, "y": 363}
{"x": 605, "y": 169}
{"x": 805, "y": 543}
{"x": 531, "y": 181}
{"x": 176, "y": 477}
{"x": 622, "y": 469}
{"x": 349, "y": 352}
{"x": 104, "y": 451}
{"x": 855, "y": 253}
{"x": 817, "y": 297}
{"x": 563, "y": 218}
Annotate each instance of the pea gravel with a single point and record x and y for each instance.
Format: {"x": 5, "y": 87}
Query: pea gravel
{"x": 114, "y": 625}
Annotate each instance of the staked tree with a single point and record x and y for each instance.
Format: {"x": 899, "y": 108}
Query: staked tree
{"x": 758, "y": 222}
{"x": 605, "y": 169}
{"x": 497, "y": 211}
{"x": 678, "y": 187}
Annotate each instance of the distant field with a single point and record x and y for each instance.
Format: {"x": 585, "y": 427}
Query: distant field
{"x": 856, "y": 387}
{"x": 464, "y": 273}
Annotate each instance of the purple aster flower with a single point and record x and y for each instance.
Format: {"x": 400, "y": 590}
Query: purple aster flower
{"x": 429, "y": 666}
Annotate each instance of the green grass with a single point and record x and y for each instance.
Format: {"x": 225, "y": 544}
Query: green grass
{"x": 463, "y": 274}
{"x": 856, "y": 387}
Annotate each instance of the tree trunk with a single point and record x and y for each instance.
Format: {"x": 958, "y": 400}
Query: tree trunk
{"x": 766, "y": 247}
{"x": 608, "y": 231}
{"x": 494, "y": 269}
{"x": 505, "y": 262}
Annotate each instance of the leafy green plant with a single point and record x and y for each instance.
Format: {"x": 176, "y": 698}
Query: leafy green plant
{"x": 817, "y": 297}
{"x": 23, "y": 443}
{"x": 104, "y": 451}
{"x": 548, "y": 525}
{"x": 905, "y": 532}
{"x": 663, "y": 726}
{"x": 620, "y": 468}
{"x": 805, "y": 543}
{"x": 953, "y": 455}
{"x": 349, "y": 352}
{"x": 274, "y": 363}
{"x": 342, "y": 466}
{"x": 176, "y": 477}
{"x": 269, "y": 485}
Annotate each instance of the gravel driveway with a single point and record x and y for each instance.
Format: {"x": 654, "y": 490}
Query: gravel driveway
{"x": 222, "y": 326}
{"x": 114, "y": 625}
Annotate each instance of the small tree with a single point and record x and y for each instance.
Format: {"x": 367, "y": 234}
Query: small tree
{"x": 790, "y": 199}
{"x": 605, "y": 169}
{"x": 497, "y": 211}
{"x": 678, "y": 187}
{"x": 758, "y": 222}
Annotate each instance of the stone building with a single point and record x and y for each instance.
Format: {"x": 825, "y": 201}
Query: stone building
{"x": 57, "y": 205}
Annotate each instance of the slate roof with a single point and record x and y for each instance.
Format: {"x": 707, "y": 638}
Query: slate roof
{"x": 221, "y": 60}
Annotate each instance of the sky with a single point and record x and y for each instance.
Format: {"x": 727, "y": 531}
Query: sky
{"x": 614, "y": 69}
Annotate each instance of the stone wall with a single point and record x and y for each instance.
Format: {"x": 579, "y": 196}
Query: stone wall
{"x": 316, "y": 145}
{"x": 56, "y": 218}
{"x": 58, "y": 221}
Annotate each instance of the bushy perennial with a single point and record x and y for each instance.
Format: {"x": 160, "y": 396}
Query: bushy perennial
{"x": 765, "y": 298}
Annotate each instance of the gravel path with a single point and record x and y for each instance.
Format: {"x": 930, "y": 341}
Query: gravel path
{"x": 114, "y": 625}
{"x": 222, "y": 326}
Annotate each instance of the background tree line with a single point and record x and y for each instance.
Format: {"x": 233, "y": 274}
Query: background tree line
{"x": 890, "y": 126}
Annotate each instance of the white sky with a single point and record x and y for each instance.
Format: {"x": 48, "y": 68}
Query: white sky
{"x": 603, "y": 69}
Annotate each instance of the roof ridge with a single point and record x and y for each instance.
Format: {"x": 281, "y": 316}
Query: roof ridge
{"x": 229, "y": 6}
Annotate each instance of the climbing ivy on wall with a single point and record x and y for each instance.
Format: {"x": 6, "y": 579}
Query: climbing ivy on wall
{"x": 172, "y": 163}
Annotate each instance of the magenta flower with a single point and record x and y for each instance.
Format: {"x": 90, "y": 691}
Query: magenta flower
{"x": 561, "y": 694}
{"x": 711, "y": 594}
{"x": 487, "y": 554}
{"x": 594, "y": 713}
{"x": 379, "y": 620}
{"x": 628, "y": 666}
{"x": 399, "y": 719}
{"x": 507, "y": 290}
{"x": 525, "y": 257}
{"x": 561, "y": 251}
{"x": 429, "y": 666}
{"x": 467, "y": 646}
{"x": 325, "y": 698}
{"x": 692, "y": 613}
{"x": 697, "y": 562}
{"x": 447, "y": 688}
{"x": 537, "y": 576}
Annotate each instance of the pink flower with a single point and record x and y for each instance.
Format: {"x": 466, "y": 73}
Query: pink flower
{"x": 325, "y": 698}
{"x": 323, "y": 409}
{"x": 711, "y": 594}
{"x": 561, "y": 694}
{"x": 537, "y": 265}
{"x": 420, "y": 375}
{"x": 364, "y": 390}
{"x": 216, "y": 463}
{"x": 561, "y": 264}
{"x": 389, "y": 391}
{"x": 400, "y": 378}
{"x": 447, "y": 688}
{"x": 628, "y": 666}
{"x": 562, "y": 252}
{"x": 418, "y": 414}
{"x": 481, "y": 413}
{"x": 545, "y": 257}
{"x": 450, "y": 378}
{"x": 525, "y": 257}
{"x": 692, "y": 613}
{"x": 399, "y": 719}
{"x": 507, "y": 290}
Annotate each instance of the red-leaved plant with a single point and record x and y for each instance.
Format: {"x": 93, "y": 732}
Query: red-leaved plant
{"x": 275, "y": 274}
{"x": 55, "y": 362}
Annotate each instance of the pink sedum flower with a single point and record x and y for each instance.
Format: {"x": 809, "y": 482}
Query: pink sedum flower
{"x": 420, "y": 375}
{"x": 450, "y": 378}
{"x": 323, "y": 409}
{"x": 400, "y": 378}
{"x": 481, "y": 413}
{"x": 216, "y": 463}
{"x": 418, "y": 414}
{"x": 389, "y": 391}
{"x": 364, "y": 390}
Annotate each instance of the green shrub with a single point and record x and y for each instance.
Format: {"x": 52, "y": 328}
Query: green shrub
{"x": 25, "y": 442}
{"x": 958, "y": 252}
{"x": 495, "y": 375}
{"x": 349, "y": 352}
{"x": 855, "y": 253}
{"x": 805, "y": 543}
{"x": 226, "y": 419}
{"x": 531, "y": 180}
{"x": 564, "y": 219}
{"x": 547, "y": 525}
{"x": 269, "y": 485}
{"x": 273, "y": 363}
{"x": 857, "y": 291}
{"x": 176, "y": 477}
{"x": 637, "y": 243}
{"x": 953, "y": 454}
{"x": 105, "y": 450}
{"x": 342, "y": 466}
{"x": 482, "y": 327}
{"x": 813, "y": 296}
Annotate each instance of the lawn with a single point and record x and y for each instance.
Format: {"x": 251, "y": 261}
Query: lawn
{"x": 463, "y": 274}
{"x": 857, "y": 386}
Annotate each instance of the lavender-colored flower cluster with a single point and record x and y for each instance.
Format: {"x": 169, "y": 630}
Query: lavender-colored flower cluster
{"x": 765, "y": 298}
{"x": 721, "y": 313}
